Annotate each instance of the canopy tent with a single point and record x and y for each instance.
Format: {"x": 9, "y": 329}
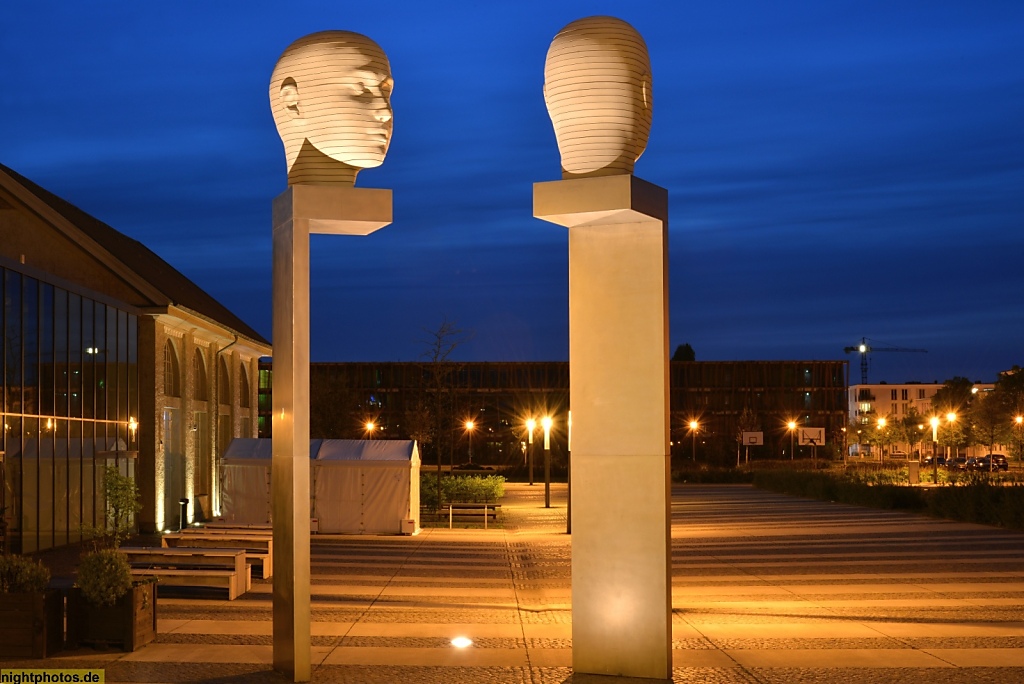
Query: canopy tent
{"x": 356, "y": 486}
{"x": 367, "y": 486}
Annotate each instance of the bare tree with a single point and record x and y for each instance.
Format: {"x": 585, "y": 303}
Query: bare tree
{"x": 748, "y": 422}
{"x": 432, "y": 415}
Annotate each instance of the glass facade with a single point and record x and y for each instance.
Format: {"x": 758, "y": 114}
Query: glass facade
{"x": 69, "y": 376}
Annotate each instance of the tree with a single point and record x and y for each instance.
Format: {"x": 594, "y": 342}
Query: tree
{"x": 748, "y": 421}
{"x": 911, "y": 429}
{"x": 954, "y": 396}
{"x": 684, "y": 352}
{"x": 860, "y": 434}
{"x": 434, "y": 414}
{"x": 886, "y": 433}
{"x": 990, "y": 421}
{"x": 1009, "y": 389}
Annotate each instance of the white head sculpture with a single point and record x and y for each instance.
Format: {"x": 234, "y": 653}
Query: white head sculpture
{"x": 597, "y": 87}
{"x": 331, "y": 97}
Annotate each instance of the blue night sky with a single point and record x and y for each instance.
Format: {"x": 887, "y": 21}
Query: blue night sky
{"x": 835, "y": 169}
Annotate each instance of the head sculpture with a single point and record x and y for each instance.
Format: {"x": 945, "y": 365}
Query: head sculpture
{"x": 597, "y": 87}
{"x": 331, "y": 98}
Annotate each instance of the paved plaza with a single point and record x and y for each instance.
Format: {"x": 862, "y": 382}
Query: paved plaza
{"x": 766, "y": 588}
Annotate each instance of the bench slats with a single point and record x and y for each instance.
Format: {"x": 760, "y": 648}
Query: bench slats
{"x": 192, "y": 567}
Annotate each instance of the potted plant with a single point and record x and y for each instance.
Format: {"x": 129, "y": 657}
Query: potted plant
{"x": 31, "y": 615}
{"x": 106, "y": 607}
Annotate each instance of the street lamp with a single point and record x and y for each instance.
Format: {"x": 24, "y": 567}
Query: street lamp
{"x": 934, "y": 421}
{"x": 530, "y": 425}
{"x": 694, "y": 425}
{"x": 370, "y": 427}
{"x": 792, "y": 434}
{"x": 1019, "y": 420}
{"x": 951, "y": 417}
{"x": 469, "y": 425}
{"x": 546, "y": 423}
{"x": 881, "y": 447}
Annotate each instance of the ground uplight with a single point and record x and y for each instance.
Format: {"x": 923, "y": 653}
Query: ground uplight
{"x": 462, "y": 642}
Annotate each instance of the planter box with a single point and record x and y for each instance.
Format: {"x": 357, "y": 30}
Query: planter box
{"x": 128, "y": 624}
{"x": 31, "y": 624}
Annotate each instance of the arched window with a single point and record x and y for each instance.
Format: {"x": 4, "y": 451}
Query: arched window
{"x": 172, "y": 375}
{"x": 223, "y": 383}
{"x": 243, "y": 387}
{"x": 200, "y": 388}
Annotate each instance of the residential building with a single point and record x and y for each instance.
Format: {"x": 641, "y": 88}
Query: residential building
{"x": 867, "y": 403}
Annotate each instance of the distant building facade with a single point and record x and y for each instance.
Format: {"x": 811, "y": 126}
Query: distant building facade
{"x": 110, "y": 358}
{"x": 397, "y": 398}
{"x": 867, "y": 403}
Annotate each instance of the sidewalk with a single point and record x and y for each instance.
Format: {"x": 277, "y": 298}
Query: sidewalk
{"x": 765, "y": 589}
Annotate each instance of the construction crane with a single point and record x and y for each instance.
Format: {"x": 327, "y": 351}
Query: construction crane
{"x": 864, "y": 348}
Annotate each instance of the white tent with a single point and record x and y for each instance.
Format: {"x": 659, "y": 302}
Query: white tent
{"x": 367, "y": 486}
{"x": 357, "y": 486}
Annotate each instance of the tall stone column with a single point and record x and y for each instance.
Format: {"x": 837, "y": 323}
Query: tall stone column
{"x": 298, "y": 212}
{"x": 619, "y": 396}
{"x": 330, "y": 94}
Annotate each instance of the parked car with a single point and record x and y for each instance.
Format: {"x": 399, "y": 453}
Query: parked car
{"x": 940, "y": 459}
{"x": 981, "y": 464}
{"x": 958, "y": 463}
{"x": 998, "y": 462}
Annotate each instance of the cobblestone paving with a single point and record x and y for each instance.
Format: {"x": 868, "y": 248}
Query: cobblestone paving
{"x": 975, "y": 675}
{"x": 915, "y": 600}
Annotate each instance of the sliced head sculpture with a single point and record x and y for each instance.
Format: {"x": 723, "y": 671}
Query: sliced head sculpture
{"x": 597, "y": 87}
{"x": 331, "y": 98}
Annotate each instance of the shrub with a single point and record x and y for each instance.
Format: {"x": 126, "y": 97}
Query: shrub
{"x": 703, "y": 474}
{"x": 19, "y": 575}
{"x": 862, "y": 489}
{"x": 104, "y": 576}
{"x": 460, "y": 489}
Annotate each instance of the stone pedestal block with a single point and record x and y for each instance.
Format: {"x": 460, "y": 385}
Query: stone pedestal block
{"x": 619, "y": 396}
{"x": 298, "y": 212}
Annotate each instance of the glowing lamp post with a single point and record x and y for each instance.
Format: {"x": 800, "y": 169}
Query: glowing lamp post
{"x": 470, "y": 425}
{"x": 791, "y": 425}
{"x": 531, "y": 424}
{"x": 881, "y": 429}
{"x": 1019, "y": 421}
{"x": 546, "y": 424}
{"x": 934, "y": 422}
{"x": 694, "y": 425}
{"x": 951, "y": 418}
{"x": 370, "y": 427}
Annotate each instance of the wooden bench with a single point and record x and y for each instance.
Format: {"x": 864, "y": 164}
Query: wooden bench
{"x": 259, "y": 550}
{"x": 192, "y": 567}
{"x": 473, "y": 509}
{"x": 223, "y": 525}
{"x": 229, "y": 531}
{"x": 469, "y": 512}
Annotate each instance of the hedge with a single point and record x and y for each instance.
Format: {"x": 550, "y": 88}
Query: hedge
{"x": 460, "y": 489}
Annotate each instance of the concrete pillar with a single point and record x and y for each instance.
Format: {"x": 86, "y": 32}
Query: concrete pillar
{"x": 298, "y": 212}
{"x": 148, "y": 435}
{"x": 619, "y": 396}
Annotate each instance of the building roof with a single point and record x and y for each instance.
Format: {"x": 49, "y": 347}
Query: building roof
{"x": 135, "y": 256}
{"x": 257, "y": 451}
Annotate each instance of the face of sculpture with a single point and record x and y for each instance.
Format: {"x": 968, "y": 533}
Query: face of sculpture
{"x": 333, "y": 89}
{"x": 597, "y": 87}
